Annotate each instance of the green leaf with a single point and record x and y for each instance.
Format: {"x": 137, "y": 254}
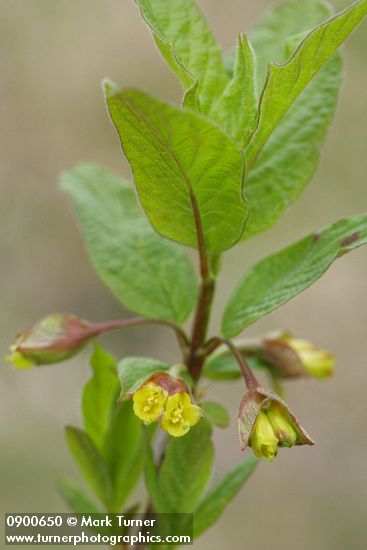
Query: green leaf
{"x": 90, "y": 462}
{"x": 212, "y": 506}
{"x": 151, "y": 476}
{"x": 187, "y": 44}
{"x": 75, "y": 498}
{"x": 99, "y": 395}
{"x": 278, "y": 278}
{"x": 148, "y": 274}
{"x": 285, "y": 82}
{"x": 186, "y": 469}
{"x": 124, "y": 452}
{"x": 285, "y": 19}
{"x": 188, "y": 173}
{"x": 134, "y": 370}
{"x": 290, "y": 157}
{"x": 216, "y": 413}
{"x": 221, "y": 365}
{"x": 236, "y": 109}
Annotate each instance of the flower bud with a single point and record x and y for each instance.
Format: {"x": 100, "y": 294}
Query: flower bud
{"x": 167, "y": 399}
{"x": 266, "y": 423}
{"x": 295, "y": 357}
{"x": 53, "y": 339}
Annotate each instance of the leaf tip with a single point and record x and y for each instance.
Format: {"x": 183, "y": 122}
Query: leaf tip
{"x": 109, "y": 87}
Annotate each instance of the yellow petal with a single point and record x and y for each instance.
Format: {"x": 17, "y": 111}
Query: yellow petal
{"x": 179, "y": 414}
{"x": 282, "y": 426}
{"x": 174, "y": 401}
{"x": 193, "y": 414}
{"x": 149, "y": 402}
{"x": 264, "y": 442}
{"x": 176, "y": 430}
{"x": 318, "y": 363}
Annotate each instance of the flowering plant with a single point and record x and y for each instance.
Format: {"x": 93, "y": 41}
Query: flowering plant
{"x": 213, "y": 172}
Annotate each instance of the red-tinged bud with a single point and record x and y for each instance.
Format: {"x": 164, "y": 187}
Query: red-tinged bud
{"x": 266, "y": 423}
{"x": 53, "y": 339}
{"x": 294, "y": 357}
{"x": 168, "y": 383}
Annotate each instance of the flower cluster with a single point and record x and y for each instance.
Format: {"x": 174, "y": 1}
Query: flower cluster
{"x": 265, "y": 423}
{"x": 167, "y": 400}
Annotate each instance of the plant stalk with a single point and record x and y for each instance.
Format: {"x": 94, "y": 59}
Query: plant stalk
{"x": 196, "y": 356}
{"x": 105, "y": 326}
{"x": 248, "y": 375}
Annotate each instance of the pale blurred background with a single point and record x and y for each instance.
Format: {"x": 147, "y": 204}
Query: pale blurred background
{"x": 53, "y": 55}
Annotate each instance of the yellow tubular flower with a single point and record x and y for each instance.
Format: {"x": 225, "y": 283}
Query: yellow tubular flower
{"x": 283, "y": 429}
{"x": 264, "y": 442}
{"x": 179, "y": 414}
{"x": 149, "y": 401}
{"x": 318, "y": 363}
{"x": 266, "y": 423}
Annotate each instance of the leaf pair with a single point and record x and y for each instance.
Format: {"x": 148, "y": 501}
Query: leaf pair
{"x": 109, "y": 452}
{"x": 175, "y": 155}
{"x": 294, "y": 113}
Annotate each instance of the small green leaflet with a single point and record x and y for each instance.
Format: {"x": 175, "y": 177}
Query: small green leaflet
{"x": 75, "y": 497}
{"x": 151, "y": 475}
{"x": 211, "y": 507}
{"x": 150, "y": 275}
{"x": 124, "y": 452}
{"x": 91, "y": 463}
{"x": 236, "y": 109}
{"x": 188, "y": 173}
{"x": 278, "y": 278}
{"x": 285, "y": 82}
{"x": 221, "y": 365}
{"x": 186, "y": 469}
{"x": 216, "y": 413}
{"x": 80, "y": 503}
{"x": 100, "y": 395}
{"x": 188, "y": 46}
{"x": 134, "y": 370}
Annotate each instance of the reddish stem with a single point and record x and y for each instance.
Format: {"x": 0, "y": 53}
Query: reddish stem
{"x": 105, "y": 326}
{"x": 196, "y": 356}
{"x": 250, "y": 378}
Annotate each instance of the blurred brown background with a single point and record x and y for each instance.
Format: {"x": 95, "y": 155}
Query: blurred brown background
{"x": 53, "y": 55}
